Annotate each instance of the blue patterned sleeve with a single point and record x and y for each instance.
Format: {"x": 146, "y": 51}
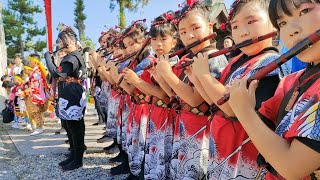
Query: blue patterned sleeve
{"x": 123, "y": 65}
{"x": 304, "y": 124}
{"x": 216, "y": 65}
{"x": 141, "y": 66}
{"x": 265, "y": 60}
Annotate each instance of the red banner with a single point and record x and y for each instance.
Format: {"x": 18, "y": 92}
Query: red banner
{"x": 47, "y": 7}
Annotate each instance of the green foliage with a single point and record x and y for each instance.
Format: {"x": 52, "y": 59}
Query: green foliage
{"x": 79, "y": 17}
{"x": 20, "y": 27}
{"x": 88, "y": 42}
{"x": 126, "y": 4}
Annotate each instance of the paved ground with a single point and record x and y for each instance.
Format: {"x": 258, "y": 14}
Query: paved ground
{"x": 7, "y": 153}
{"x": 36, "y": 157}
{"x": 48, "y": 142}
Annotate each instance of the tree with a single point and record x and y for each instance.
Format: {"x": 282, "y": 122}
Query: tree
{"x": 126, "y": 4}
{"x": 88, "y": 42}
{"x": 21, "y": 28}
{"x": 79, "y": 17}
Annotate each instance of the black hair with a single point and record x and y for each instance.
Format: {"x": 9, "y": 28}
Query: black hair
{"x": 8, "y": 84}
{"x": 112, "y": 32}
{"x": 67, "y": 33}
{"x": 166, "y": 25}
{"x": 277, "y": 6}
{"x": 3, "y": 77}
{"x": 136, "y": 31}
{"x": 202, "y": 8}
{"x": 35, "y": 55}
{"x": 237, "y": 5}
{"x": 229, "y": 37}
{"x": 113, "y": 35}
{"x": 100, "y": 39}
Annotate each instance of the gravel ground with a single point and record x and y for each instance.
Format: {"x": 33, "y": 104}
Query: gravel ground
{"x": 96, "y": 166}
{"x": 45, "y": 167}
{"x": 6, "y": 171}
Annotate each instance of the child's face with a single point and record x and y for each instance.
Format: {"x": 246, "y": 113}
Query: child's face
{"x": 163, "y": 45}
{"x": 16, "y": 81}
{"x": 304, "y": 21}
{"x": 194, "y": 27}
{"x": 17, "y": 60}
{"x": 131, "y": 45}
{"x": 124, "y": 51}
{"x": 104, "y": 40}
{"x": 117, "y": 51}
{"x": 227, "y": 43}
{"x": 71, "y": 45}
{"x": 251, "y": 21}
{"x": 7, "y": 79}
{"x": 32, "y": 64}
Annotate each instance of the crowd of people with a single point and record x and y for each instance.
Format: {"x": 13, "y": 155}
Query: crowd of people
{"x": 27, "y": 90}
{"x": 159, "y": 91}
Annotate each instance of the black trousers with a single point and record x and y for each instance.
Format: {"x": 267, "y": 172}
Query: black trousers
{"x": 75, "y": 132}
{"x": 99, "y": 110}
{"x": 56, "y": 110}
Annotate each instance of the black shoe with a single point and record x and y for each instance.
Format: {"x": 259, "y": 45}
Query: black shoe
{"x": 119, "y": 158}
{"x": 68, "y": 160}
{"x": 102, "y": 139}
{"x": 121, "y": 169}
{"x": 60, "y": 131}
{"x": 66, "y": 141}
{"x": 97, "y": 123}
{"x": 76, "y": 163}
{"x": 132, "y": 177}
{"x": 72, "y": 166}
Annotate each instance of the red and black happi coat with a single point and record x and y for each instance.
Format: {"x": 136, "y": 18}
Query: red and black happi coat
{"x": 299, "y": 120}
{"x": 191, "y": 132}
{"x": 232, "y": 154}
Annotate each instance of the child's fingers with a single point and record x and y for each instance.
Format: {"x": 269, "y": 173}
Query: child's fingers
{"x": 252, "y": 88}
{"x": 195, "y": 58}
{"x": 164, "y": 57}
{"x": 161, "y": 58}
{"x": 228, "y": 88}
{"x": 205, "y": 55}
{"x": 243, "y": 82}
{"x": 200, "y": 56}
